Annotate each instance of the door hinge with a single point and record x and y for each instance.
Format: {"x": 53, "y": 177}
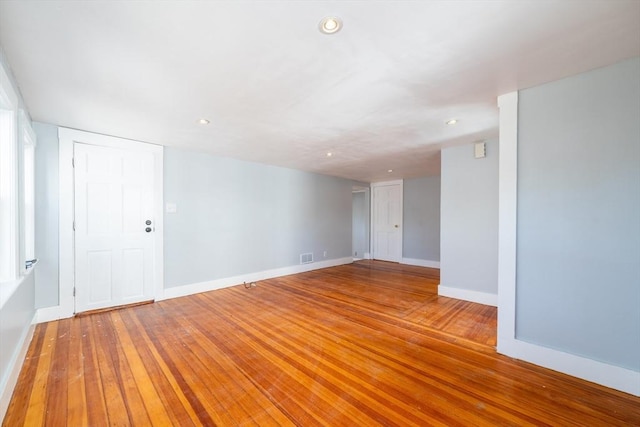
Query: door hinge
{"x": 74, "y": 291}
{"x": 74, "y": 226}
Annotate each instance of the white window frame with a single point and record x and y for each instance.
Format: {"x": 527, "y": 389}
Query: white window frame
{"x": 26, "y": 151}
{"x": 17, "y": 181}
{"x": 9, "y": 224}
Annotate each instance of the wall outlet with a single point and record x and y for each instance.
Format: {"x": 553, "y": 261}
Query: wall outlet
{"x": 324, "y": 254}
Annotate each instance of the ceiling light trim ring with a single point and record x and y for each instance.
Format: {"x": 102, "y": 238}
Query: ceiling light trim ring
{"x": 330, "y": 25}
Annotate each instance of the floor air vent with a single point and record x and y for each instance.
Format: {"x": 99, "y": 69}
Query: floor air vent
{"x": 306, "y": 258}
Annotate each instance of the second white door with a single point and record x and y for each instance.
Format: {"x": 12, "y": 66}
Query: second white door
{"x": 387, "y": 221}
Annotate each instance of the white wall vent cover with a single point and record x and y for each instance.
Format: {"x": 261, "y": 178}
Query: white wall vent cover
{"x": 306, "y": 258}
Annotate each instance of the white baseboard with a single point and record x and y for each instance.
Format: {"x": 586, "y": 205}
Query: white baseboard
{"x": 469, "y": 295}
{"x": 367, "y": 255}
{"x": 601, "y": 373}
{"x": 421, "y": 262}
{"x": 14, "y": 370}
{"x": 57, "y": 312}
{"x": 195, "y": 288}
{"x": 49, "y": 314}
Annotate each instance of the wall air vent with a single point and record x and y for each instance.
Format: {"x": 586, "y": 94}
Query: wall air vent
{"x": 306, "y": 258}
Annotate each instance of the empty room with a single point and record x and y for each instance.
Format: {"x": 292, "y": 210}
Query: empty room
{"x": 301, "y": 213}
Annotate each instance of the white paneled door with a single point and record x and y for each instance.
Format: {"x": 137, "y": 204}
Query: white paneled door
{"x": 387, "y": 221}
{"x": 114, "y": 226}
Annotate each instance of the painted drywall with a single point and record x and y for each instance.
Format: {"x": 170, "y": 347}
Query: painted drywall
{"x": 469, "y": 219}
{"x": 360, "y": 224}
{"x": 46, "y": 214}
{"x": 421, "y": 219}
{"x": 578, "y": 241}
{"x": 234, "y": 217}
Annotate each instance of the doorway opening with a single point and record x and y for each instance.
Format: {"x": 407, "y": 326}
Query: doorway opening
{"x": 360, "y": 223}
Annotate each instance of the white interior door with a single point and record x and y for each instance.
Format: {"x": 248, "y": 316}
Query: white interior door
{"x": 114, "y": 226}
{"x": 387, "y": 221}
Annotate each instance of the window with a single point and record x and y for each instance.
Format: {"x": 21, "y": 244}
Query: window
{"x": 8, "y": 192}
{"x": 27, "y": 224}
{"x": 17, "y": 145}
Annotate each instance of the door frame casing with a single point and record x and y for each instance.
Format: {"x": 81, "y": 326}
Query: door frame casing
{"x": 67, "y": 138}
{"x": 372, "y": 230}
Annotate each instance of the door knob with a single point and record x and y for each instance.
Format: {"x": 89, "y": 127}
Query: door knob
{"x": 148, "y": 229}
{"x": 396, "y": 226}
{"x": 148, "y": 222}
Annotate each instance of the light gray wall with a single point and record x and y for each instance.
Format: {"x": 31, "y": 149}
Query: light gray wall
{"x": 578, "y": 250}
{"x": 469, "y": 219}
{"x": 233, "y": 217}
{"x": 46, "y": 214}
{"x": 237, "y": 217}
{"x": 421, "y": 222}
{"x": 360, "y": 224}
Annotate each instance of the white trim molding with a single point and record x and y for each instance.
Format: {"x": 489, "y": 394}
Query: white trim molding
{"x": 372, "y": 224}
{"x": 605, "y": 374}
{"x": 50, "y": 314}
{"x": 421, "y": 262}
{"x": 468, "y": 295}
{"x": 67, "y": 137}
{"x": 507, "y": 215}
{"x": 66, "y": 272}
{"x": 195, "y": 288}
{"x": 597, "y": 372}
{"x": 9, "y": 181}
{"x": 15, "y": 368}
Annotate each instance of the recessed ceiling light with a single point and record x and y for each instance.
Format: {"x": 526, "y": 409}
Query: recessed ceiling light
{"x": 451, "y": 122}
{"x": 390, "y": 170}
{"x": 330, "y": 25}
{"x": 329, "y": 154}
{"x": 203, "y": 121}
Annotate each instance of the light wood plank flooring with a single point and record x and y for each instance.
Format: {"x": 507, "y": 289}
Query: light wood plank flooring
{"x": 358, "y": 345}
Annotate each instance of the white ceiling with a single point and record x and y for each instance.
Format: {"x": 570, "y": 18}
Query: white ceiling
{"x": 277, "y": 91}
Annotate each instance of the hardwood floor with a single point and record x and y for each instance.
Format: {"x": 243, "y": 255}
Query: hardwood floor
{"x": 357, "y": 345}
